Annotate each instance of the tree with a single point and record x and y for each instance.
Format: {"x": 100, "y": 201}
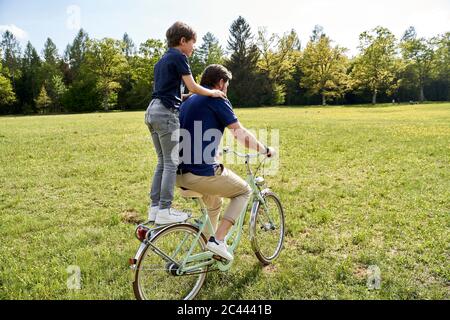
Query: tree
{"x": 31, "y": 80}
{"x": 278, "y": 57}
{"x": 317, "y": 33}
{"x": 11, "y": 56}
{"x": 142, "y": 76}
{"x": 324, "y": 69}
{"x": 52, "y": 74}
{"x": 74, "y": 54}
{"x": 210, "y": 52}
{"x": 129, "y": 49}
{"x": 7, "y": 96}
{"x": 105, "y": 60}
{"x": 126, "y": 81}
{"x": 294, "y": 92}
{"x": 50, "y": 53}
{"x": 267, "y": 69}
{"x": 418, "y": 54}
{"x": 83, "y": 95}
{"x": 43, "y": 101}
{"x": 197, "y": 65}
{"x": 441, "y": 61}
{"x": 250, "y": 88}
{"x": 441, "y": 64}
{"x": 59, "y": 89}
{"x": 376, "y": 67}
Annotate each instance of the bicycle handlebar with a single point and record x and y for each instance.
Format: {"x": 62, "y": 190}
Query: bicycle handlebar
{"x": 242, "y": 155}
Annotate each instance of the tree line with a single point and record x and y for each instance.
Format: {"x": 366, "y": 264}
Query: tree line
{"x": 268, "y": 69}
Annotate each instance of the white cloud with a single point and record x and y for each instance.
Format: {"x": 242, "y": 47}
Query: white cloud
{"x": 15, "y": 30}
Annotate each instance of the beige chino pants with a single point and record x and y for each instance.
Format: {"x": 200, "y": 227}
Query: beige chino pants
{"x": 225, "y": 184}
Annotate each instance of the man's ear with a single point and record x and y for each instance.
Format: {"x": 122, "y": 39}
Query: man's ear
{"x": 221, "y": 84}
{"x": 183, "y": 40}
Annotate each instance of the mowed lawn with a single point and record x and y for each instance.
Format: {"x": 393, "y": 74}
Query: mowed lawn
{"x": 362, "y": 187}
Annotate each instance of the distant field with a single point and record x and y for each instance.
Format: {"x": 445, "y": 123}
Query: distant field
{"x": 362, "y": 186}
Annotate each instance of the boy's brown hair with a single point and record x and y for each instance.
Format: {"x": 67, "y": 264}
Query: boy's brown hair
{"x": 177, "y": 31}
{"x": 213, "y": 74}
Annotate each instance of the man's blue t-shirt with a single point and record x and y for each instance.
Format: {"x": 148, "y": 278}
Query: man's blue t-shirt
{"x": 168, "y": 78}
{"x": 204, "y": 119}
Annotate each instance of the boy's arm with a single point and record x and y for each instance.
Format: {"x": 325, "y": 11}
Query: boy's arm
{"x": 195, "y": 88}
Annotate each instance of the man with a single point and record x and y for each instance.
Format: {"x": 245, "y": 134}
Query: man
{"x": 204, "y": 118}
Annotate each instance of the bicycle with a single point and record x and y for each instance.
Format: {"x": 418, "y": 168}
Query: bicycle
{"x": 172, "y": 261}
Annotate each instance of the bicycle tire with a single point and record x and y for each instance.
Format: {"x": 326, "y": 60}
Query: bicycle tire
{"x": 164, "y": 271}
{"x": 260, "y": 226}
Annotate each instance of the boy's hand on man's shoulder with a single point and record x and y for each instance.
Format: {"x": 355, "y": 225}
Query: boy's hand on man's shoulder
{"x": 184, "y": 97}
{"x": 218, "y": 94}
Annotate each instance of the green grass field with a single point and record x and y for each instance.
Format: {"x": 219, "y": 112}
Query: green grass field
{"x": 362, "y": 186}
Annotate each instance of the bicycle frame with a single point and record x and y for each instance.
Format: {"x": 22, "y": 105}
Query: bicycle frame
{"x": 205, "y": 259}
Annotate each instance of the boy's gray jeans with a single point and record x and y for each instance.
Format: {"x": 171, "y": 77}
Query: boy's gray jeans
{"x": 164, "y": 126}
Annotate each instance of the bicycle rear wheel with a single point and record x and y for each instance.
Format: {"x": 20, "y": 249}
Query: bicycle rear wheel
{"x": 156, "y": 276}
{"x": 267, "y": 228}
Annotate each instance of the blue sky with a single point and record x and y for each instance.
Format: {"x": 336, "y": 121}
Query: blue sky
{"x": 343, "y": 20}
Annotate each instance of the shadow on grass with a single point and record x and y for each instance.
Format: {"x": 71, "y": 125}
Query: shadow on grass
{"x": 230, "y": 285}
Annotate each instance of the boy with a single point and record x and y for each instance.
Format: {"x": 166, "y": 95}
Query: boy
{"x": 162, "y": 118}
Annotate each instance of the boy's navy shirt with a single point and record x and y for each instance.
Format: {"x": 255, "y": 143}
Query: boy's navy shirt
{"x": 168, "y": 78}
{"x": 213, "y": 113}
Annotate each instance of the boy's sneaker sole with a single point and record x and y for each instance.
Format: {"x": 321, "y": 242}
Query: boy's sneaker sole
{"x": 159, "y": 221}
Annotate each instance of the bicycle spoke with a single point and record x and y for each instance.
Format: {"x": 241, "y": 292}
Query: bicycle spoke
{"x": 268, "y": 232}
{"x": 160, "y": 278}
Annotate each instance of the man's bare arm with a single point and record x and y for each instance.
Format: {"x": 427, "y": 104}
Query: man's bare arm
{"x": 247, "y": 139}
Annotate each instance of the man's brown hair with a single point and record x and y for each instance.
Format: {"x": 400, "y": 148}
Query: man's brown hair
{"x": 177, "y": 31}
{"x": 213, "y": 74}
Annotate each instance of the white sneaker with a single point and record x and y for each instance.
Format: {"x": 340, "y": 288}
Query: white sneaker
{"x": 169, "y": 216}
{"x": 152, "y": 212}
{"x": 219, "y": 248}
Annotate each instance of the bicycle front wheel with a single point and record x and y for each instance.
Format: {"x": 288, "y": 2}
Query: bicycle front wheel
{"x": 158, "y": 278}
{"x": 267, "y": 228}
